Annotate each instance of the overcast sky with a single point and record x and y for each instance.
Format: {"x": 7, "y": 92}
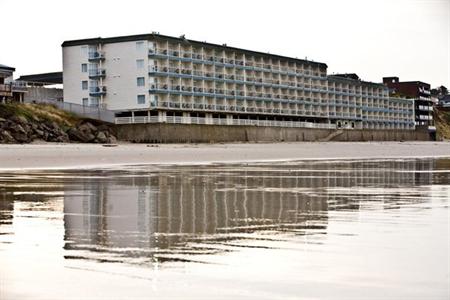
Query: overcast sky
{"x": 373, "y": 38}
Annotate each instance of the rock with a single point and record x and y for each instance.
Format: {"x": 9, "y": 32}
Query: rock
{"x": 63, "y": 138}
{"x": 20, "y": 137}
{"x": 79, "y": 136}
{"x": 2, "y": 120}
{"x": 55, "y": 126}
{"x": 87, "y": 127}
{"x": 5, "y": 137}
{"x": 101, "y": 137}
{"x": 19, "y": 129}
{"x": 19, "y": 119}
{"x": 39, "y": 132}
{"x": 111, "y": 139}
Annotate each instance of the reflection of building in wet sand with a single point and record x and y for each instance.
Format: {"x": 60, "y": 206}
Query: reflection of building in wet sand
{"x": 175, "y": 207}
{"x": 6, "y": 209}
{"x": 149, "y": 213}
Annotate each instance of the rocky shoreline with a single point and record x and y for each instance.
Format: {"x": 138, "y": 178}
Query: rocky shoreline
{"x": 22, "y": 130}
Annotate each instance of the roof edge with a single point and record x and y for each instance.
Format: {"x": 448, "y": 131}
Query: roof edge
{"x": 129, "y": 38}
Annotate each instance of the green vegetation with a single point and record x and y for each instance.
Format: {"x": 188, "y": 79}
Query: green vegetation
{"x": 34, "y": 112}
{"x": 442, "y": 119}
{"x": 25, "y": 123}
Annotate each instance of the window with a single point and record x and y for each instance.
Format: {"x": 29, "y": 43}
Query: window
{"x": 84, "y": 50}
{"x": 93, "y": 83}
{"x": 139, "y": 45}
{"x": 94, "y": 102}
{"x": 140, "y": 81}
{"x": 84, "y": 68}
{"x": 85, "y": 101}
{"x": 84, "y": 85}
{"x": 139, "y": 63}
{"x": 141, "y": 99}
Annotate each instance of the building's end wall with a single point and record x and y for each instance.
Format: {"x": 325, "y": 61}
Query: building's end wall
{"x": 73, "y": 57}
{"x": 122, "y": 73}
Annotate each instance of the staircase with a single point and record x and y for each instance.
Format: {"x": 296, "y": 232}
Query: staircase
{"x": 331, "y": 136}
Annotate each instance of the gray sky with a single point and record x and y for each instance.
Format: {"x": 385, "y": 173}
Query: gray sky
{"x": 373, "y": 38}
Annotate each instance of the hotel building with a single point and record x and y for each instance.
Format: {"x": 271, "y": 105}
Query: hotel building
{"x": 420, "y": 92}
{"x": 153, "y": 78}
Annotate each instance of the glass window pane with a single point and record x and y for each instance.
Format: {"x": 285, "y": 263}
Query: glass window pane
{"x": 139, "y": 63}
{"x": 141, "y": 99}
{"x": 140, "y": 81}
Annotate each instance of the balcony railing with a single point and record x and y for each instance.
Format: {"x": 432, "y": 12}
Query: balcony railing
{"x": 218, "y": 60}
{"x": 5, "y": 90}
{"x": 96, "y": 56}
{"x": 97, "y": 73}
{"x": 19, "y": 86}
{"x": 97, "y": 90}
{"x": 219, "y": 121}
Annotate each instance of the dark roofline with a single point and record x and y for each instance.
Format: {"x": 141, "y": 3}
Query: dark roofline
{"x": 346, "y": 79}
{"x": 155, "y": 36}
{"x": 414, "y": 81}
{"x": 44, "y": 78}
{"x": 7, "y": 68}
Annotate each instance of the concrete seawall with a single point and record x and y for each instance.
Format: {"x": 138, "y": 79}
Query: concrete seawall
{"x": 193, "y": 133}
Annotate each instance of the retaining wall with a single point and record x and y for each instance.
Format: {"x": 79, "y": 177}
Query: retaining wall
{"x": 193, "y": 133}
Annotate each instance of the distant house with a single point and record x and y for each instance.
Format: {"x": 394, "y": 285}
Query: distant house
{"x": 43, "y": 87}
{"x": 10, "y": 89}
{"x": 444, "y": 101}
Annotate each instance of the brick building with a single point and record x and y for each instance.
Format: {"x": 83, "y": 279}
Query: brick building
{"x": 420, "y": 92}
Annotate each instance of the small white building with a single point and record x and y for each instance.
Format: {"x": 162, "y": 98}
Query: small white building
{"x": 10, "y": 89}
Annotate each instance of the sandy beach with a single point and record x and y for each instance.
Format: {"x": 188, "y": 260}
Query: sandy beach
{"x": 63, "y": 156}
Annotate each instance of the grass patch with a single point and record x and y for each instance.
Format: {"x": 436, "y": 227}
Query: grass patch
{"x": 44, "y": 112}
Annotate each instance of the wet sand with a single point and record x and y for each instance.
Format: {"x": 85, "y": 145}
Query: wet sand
{"x": 62, "y": 156}
{"x": 295, "y": 230}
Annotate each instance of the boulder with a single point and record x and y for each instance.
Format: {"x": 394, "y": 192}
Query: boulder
{"x": 101, "y": 137}
{"x": 19, "y": 119}
{"x": 87, "y": 127}
{"x": 19, "y": 129}
{"x": 77, "y": 135}
{"x": 63, "y": 138}
{"x": 6, "y": 137}
{"x": 39, "y": 132}
{"x": 20, "y": 136}
{"x": 55, "y": 126}
{"x": 111, "y": 140}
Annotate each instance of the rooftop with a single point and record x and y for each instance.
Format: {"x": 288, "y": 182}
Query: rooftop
{"x": 157, "y": 36}
{"x": 7, "y": 67}
{"x": 353, "y": 78}
{"x": 43, "y": 78}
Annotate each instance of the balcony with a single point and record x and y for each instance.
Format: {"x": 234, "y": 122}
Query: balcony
{"x": 97, "y": 73}
{"x": 97, "y": 90}
{"x": 96, "y": 56}
{"x": 19, "y": 86}
{"x": 5, "y": 90}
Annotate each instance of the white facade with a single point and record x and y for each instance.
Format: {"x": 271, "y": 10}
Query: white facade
{"x": 157, "y": 78}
